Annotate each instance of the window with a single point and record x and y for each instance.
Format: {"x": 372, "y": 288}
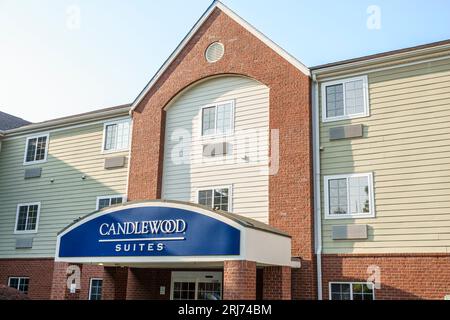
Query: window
{"x": 27, "y": 218}
{"x": 19, "y": 283}
{"x": 116, "y": 136}
{"x": 351, "y": 291}
{"x": 218, "y": 119}
{"x": 216, "y": 198}
{"x": 36, "y": 149}
{"x": 95, "y": 289}
{"x": 345, "y": 99}
{"x": 107, "y": 201}
{"x": 349, "y": 196}
{"x": 196, "y": 285}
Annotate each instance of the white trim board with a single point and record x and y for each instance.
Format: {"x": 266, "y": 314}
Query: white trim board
{"x": 75, "y": 126}
{"x": 217, "y": 4}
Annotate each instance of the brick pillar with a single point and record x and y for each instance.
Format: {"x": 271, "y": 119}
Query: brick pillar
{"x": 115, "y": 283}
{"x": 239, "y": 280}
{"x": 277, "y": 283}
{"x": 136, "y": 290}
{"x": 59, "y": 283}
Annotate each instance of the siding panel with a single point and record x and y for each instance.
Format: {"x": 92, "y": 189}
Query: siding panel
{"x": 407, "y": 145}
{"x": 249, "y": 179}
{"x": 72, "y": 153}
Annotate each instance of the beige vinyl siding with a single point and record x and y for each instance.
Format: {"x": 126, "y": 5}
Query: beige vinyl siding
{"x": 248, "y": 179}
{"x": 406, "y": 145}
{"x": 73, "y": 153}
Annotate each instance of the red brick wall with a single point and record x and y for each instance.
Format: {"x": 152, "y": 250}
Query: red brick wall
{"x": 87, "y": 273}
{"x": 277, "y": 283}
{"x": 40, "y": 272}
{"x": 290, "y": 190}
{"x": 406, "y": 276}
{"x": 239, "y": 280}
{"x": 115, "y": 282}
{"x": 112, "y": 282}
{"x": 144, "y": 284}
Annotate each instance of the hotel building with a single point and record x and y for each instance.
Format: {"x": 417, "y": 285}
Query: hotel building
{"x": 239, "y": 173}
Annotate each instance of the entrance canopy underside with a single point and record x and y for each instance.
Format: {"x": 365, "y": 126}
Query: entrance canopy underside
{"x": 170, "y": 234}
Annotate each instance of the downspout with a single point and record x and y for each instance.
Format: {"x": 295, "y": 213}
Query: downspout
{"x": 317, "y": 196}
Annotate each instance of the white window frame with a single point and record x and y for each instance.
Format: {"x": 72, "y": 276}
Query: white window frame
{"x": 20, "y": 278}
{"x": 230, "y": 195}
{"x": 366, "y": 112}
{"x": 37, "y": 218}
{"x": 351, "y": 288}
{"x": 370, "y": 214}
{"x": 123, "y": 196}
{"x": 104, "y": 151}
{"x": 195, "y": 276}
{"x": 232, "y": 120}
{"x": 90, "y": 288}
{"x": 36, "y": 136}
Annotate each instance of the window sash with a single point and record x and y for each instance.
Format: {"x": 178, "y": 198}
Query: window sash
{"x": 27, "y": 217}
{"x": 214, "y": 197}
{"x": 19, "y": 283}
{"x": 217, "y": 119}
{"x": 117, "y": 136}
{"x": 36, "y": 149}
{"x": 95, "y": 289}
{"x": 360, "y": 290}
{"x": 209, "y": 121}
{"x": 354, "y": 98}
{"x": 107, "y": 201}
{"x": 352, "y": 182}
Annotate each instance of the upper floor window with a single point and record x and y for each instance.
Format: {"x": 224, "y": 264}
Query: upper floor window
{"x": 345, "y": 99}
{"x": 216, "y": 198}
{"x": 218, "y": 119}
{"x": 116, "y": 136}
{"x": 95, "y": 289}
{"x": 27, "y": 217}
{"x": 36, "y": 149}
{"x": 349, "y": 196}
{"x": 351, "y": 291}
{"x": 19, "y": 283}
{"x": 107, "y": 201}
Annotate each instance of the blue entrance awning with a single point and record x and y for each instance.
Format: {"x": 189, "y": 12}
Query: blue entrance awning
{"x": 168, "y": 231}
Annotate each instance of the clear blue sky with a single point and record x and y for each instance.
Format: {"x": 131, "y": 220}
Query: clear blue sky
{"x": 52, "y": 67}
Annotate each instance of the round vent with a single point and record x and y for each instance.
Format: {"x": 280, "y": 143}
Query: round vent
{"x": 214, "y": 52}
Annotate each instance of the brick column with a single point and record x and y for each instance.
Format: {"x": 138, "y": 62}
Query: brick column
{"x": 277, "y": 283}
{"x": 239, "y": 280}
{"x": 115, "y": 283}
{"x": 59, "y": 286}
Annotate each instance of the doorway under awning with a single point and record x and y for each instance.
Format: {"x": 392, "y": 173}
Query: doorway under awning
{"x": 159, "y": 234}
